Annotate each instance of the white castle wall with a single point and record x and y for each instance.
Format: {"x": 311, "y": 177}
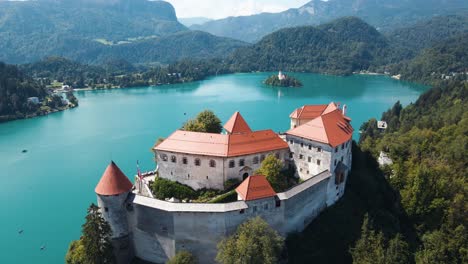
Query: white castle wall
{"x": 204, "y": 176}
{"x": 159, "y": 229}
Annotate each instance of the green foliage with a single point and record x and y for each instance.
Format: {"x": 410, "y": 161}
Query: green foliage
{"x": 94, "y": 246}
{"x": 163, "y": 188}
{"x": 205, "y": 121}
{"x": 338, "y": 228}
{"x": 271, "y": 168}
{"x": 75, "y": 253}
{"x": 287, "y": 82}
{"x": 427, "y": 142}
{"x": 445, "y": 60}
{"x": 182, "y": 257}
{"x": 228, "y": 197}
{"x": 372, "y": 247}
{"x": 231, "y": 184}
{"x": 254, "y": 242}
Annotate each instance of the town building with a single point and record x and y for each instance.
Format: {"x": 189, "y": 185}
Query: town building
{"x": 317, "y": 146}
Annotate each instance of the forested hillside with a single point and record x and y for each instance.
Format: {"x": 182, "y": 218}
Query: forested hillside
{"x": 382, "y": 14}
{"x": 16, "y": 88}
{"x": 446, "y": 60}
{"x": 139, "y": 31}
{"x": 339, "y": 47}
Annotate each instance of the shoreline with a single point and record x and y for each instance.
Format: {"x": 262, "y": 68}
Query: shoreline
{"x": 29, "y": 116}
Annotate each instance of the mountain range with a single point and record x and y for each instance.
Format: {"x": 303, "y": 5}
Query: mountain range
{"x": 383, "y": 14}
{"x": 91, "y": 31}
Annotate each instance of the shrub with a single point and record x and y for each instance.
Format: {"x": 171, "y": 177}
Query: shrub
{"x": 163, "y": 188}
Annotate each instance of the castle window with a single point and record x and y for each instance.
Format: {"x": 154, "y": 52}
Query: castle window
{"x": 291, "y": 142}
{"x": 265, "y": 207}
{"x": 307, "y": 172}
{"x": 277, "y": 155}
{"x": 232, "y": 164}
{"x": 335, "y": 162}
{"x": 319, "y": 149}
{"x": 318, "y": 162}
{"x": 309, "y": 159}
{"x": 310, "y": 147}
{"x": 291, "y": 155}
{"x": 212, "y": 163}
{"x": 241, "y": 162}
{"x": 197, "y": 162}
{"x": 300, "y": 169}
{"x": 164, "y": 157}
{"x": 302, "y": 145}
{"x": 255, "y": 209}
{"x": 278, "y": 203}
{"x": 241, "y": 211}
{"x": 342, "y": 146}
{"x": 188, "y": 176}
{"x": 262, "y": 157}
{"x": 173, "y": 159}
{"x": 341, "y": 159}
{"x": 106, "y": 209}
{"x": 336, "y": 149}
{"x": 184, "y": 160}
{"x": 301, "y": 156}
{"x": 255, "y": 160}
{"x": 207, "y": 177}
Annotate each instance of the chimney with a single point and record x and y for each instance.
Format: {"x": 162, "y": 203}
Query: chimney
{"x": 345, "y": 107}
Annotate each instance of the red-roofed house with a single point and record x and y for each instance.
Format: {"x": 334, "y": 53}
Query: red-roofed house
{"x": 206, "y": 160}
{"x": 255, "y": 187}
{"x": 320, "y": 139}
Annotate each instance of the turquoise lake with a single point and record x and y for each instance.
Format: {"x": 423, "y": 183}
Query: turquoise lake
{"x": 48, "y": 189}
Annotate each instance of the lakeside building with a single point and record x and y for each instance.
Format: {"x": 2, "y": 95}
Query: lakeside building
{"x": 317, "y": 146}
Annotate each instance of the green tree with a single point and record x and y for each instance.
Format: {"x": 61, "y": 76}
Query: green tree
{"x": 94, "y": 247}
{"x": 205, "y": 121}
{"x": 254, "y": 242}
{"x": 182, "y": 257}
{"x": 397, "y": 251}
{"x": 271, "y": 167}
{"x": 369, "y": 249}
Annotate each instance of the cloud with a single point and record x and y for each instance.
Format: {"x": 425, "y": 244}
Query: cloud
{"x": 224, "y": 8}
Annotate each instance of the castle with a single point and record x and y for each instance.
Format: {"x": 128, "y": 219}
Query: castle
{"x": 317, "y": 146}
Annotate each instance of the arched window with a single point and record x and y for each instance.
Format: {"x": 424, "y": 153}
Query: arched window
{"x": 163, "y": 157}
{"x": 173, "y": 159}
{"x": 255, "y": 160}
{"x": 212, "y": 163}
{"x": 197, "y": 162}
{"x": 184, "y": 160}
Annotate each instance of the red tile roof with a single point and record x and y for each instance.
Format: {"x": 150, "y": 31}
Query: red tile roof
{"x": 222, "y": 145}
{"x": 255, "y": 187}
{"x": 331, "y": 127}
{"x": 308, "y": 111}
{"x": 113, "y": 182}
{"x": 237, "y": 124}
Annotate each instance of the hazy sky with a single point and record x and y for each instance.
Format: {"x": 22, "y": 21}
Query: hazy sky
{"x": 225, "y": 8}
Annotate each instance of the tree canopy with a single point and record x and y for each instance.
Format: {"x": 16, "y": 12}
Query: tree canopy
{"x": 205, "y": 121}
{"x": 183, "y": 257}
{"x": 94, "y": 246}
{"x": 271, "y": 168}
{"x": 254, "y": 242}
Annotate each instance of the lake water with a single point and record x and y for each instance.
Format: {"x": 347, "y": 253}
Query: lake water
{"x": 47, "y": 190}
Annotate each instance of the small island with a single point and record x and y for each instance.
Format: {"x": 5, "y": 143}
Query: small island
{"x": 283, "y": 81}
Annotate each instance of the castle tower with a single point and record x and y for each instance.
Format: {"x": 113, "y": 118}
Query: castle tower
{"x": 112, "y": 192}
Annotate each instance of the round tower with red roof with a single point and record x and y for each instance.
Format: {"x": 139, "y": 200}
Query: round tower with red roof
{"x": 112, "y": 192}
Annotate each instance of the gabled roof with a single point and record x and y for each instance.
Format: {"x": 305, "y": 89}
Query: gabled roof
{"x": 113, "y": 181}
{"x": 331, "y": 127}
{"x": 237, "y": 124}
{"x": 308, "y": 112}
{"x": 255, "y": 187}
{"x": 222, "y": 145}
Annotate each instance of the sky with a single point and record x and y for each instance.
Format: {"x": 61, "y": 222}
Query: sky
{"x": 223, "y": 8}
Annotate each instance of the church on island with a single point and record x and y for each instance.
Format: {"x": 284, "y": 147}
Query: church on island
{"x": 317, "y": 147}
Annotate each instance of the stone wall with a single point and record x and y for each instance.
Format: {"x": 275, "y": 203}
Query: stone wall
{"x": 159, "y": 229}
{"x": 206, "y": 176}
